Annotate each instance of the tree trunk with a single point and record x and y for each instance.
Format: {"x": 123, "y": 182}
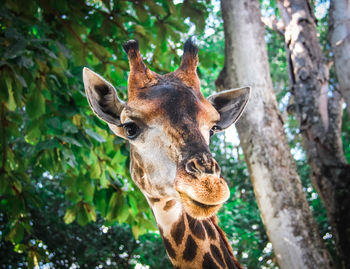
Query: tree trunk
{"x": 319, "y": 119}
{"x": 283, "y": 206}
{"x": 339, "y": 30}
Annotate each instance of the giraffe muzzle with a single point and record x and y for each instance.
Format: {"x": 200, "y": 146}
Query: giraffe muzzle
{"x": 201, "y": 188}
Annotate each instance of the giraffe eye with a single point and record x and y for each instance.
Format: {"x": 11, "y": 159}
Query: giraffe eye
{"x": 131, "y": 130}
{"x": 213, "y": 130}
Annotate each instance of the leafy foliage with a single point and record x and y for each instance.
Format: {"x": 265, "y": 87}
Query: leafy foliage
{"x": 88, "y": 246}
{"x": 47, "y": 129}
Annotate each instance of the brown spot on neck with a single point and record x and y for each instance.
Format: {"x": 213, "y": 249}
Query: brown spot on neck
{"x": 215, "y": 252}
{"x": 190, "y": 251}
{"x": 196, "y": 227}
{"x": 208, "y": 262}
{"x": 168, "y": 205}
{"x": 210, "y": 229}
{"x": 178, "y": 230}
{"x": 169, "y": 248}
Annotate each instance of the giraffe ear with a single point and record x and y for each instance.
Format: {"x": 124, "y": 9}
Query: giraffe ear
{"x": 230, "y": 104}
{"x": 102, "y": 97}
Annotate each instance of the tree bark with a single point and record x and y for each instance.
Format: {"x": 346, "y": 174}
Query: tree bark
{"x": 339, "y": 31}
{"x": 319, "y": 118}
{"x": 282, "y": 203}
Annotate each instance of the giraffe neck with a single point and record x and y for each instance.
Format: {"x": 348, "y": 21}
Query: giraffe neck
{"x": 191, "y": 243}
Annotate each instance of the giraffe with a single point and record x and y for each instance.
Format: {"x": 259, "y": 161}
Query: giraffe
{"x": 168, "y": 124}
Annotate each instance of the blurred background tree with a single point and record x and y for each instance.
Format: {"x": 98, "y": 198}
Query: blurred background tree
{"x": 66, "y": 197}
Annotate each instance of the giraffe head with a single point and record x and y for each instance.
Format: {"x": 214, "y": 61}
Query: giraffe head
{"x": 168, "y": 124}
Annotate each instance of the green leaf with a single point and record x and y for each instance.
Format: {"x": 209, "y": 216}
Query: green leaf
{"x": 70, "y": 215}
{"x": 135, "y": 231}
{"x": 116, "y": 202}
{"x": 5, "y": 186}
{"x": 98, "y": 50}
{"x": 47, "y": 144}
{"x": 70, "y": 158}
{"x": 95, "y": 170}
{"x": 148, "y": 224}
{"x": 34, "y": 133}
{"x": 88, "y": 190}
{"x": 141, "y": 30}
{"x": 17, "y": 44}
{"x": 91, "y": 212}
{"x": 141, "y": 12}
{"x": 35, "y": 106}
{"x": 16, "y": 233}
{"x": 123, "y": 212}
{"x": 179, "y": 25}
{"x": 104, "y": 182}
{"x": 133, "y": 204}
{"x": 11, "y": 101}
{"x": 100, "y": 202}
{"x": 69, "y": 127}
{"x": 155, "y": 8}
{"x": 54, "y": 123}
{"x": 73, "y": 196}
{"x": 21, "y": 79}
{"x": 82, "y": 215}
{"x": 95, "y": 136}
{"x": 138, "y": 230}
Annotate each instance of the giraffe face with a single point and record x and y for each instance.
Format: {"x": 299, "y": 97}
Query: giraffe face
{"x": 168, "y": 123}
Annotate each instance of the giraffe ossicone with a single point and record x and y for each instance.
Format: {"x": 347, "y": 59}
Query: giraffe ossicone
{"x": 168, "y": 124}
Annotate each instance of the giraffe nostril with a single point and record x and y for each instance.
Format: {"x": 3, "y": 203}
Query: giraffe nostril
{"x": 192, "y": 167}
{"x": 199, "y": 166}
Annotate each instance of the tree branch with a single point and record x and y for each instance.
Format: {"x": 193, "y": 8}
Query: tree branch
{"x": 274, "y": 24}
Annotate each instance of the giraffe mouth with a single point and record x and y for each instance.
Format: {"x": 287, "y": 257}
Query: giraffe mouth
{"x": 197, "y": 209}
{"x": 203, "y": 205}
